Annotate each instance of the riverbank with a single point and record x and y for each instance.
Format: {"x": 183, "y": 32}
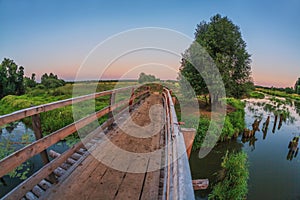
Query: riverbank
{"x": 270, "y": 160}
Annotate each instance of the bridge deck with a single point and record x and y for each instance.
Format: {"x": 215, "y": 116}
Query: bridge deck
{"x": 95, "y": 180}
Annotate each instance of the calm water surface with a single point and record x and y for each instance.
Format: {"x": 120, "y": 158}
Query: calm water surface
{"x": 274, "y": 169}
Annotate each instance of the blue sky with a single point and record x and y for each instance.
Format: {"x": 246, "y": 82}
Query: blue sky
{"x": 55, "y": 36}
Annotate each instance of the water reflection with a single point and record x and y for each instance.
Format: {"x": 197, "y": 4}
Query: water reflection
{"x": 265, "y": 127}
{"x": 267, "y": 148}
{"x": 275, "y": 123}
{"x": 293, "y": 149}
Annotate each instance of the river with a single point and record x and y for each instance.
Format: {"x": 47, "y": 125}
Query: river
{"x": 274, "y": 168}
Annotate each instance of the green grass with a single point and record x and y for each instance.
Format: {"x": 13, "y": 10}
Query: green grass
{"x": 256, "y": 95}
{"x": 234, "y": 124}
{"x": 234, "y": 175}
{"x": 279, "y": 93}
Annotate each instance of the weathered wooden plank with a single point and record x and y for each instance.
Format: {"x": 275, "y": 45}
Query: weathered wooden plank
{"x": 30, "y": 196}
{"x": 132, "y": 184}
{"x": 53, "y": 154}
{"x": 108, "y": 185}
{"x": 81, "y": 151}
{"x": 38, "y": 191}
{"x": 44, "y": 184}
{"x": 76, "y": 156}
{"x": 65, "y": 166}
{"x": 152, "y": 180}
{"x": 59, "y": 171}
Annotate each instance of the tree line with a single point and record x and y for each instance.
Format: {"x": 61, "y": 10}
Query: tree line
{"x": 13, "y": 81}
{"x": 288, "y": 90}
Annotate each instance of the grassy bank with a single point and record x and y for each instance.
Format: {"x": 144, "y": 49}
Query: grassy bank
{"x": 234, "y": 177}
{"x": 234, "y": 124}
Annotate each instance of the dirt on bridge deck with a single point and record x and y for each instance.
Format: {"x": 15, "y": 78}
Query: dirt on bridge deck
{"x": 93, "y": 179}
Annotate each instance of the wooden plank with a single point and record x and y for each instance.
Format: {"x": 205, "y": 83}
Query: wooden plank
{"x": 76, "y": 156}
{"x": 132, "y": 183}
{"x": 59, "y": 171}
{"x": 151, "y": 185}
{"x": 90, "y": 182}
{"x": 30, "y": 196}
{"x": 5, "y": 119}
{"x": 38, "y": 191}
{"x": 152, "y": 180}
{"x": 108, "y": 185}
{"x": 44, "y": 184}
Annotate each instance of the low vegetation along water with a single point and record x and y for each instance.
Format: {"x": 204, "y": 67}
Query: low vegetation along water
{"x": 274, "y": 163}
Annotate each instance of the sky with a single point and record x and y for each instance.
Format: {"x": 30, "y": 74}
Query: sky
{"x": 56, "y": 36}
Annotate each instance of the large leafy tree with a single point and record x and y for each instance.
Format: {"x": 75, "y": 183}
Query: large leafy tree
{"x": 223, "y": 42}
{"x": 297, "y": 86}
{"x": 11, "y": 78}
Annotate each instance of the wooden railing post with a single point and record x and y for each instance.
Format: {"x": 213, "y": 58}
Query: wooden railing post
{"x": 110, "y": 114}
{"x": 131, "y": 100}
{"x": 37, "y": 128}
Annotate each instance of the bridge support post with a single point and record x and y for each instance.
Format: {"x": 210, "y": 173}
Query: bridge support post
{"x": 36, "y": 125}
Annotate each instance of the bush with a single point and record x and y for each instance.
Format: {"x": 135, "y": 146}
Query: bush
{"x": 237, "y": 118}
{"x": 235, "y": 178}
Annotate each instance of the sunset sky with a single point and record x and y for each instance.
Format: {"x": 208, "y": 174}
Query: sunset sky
{"x": 56, "y": 36}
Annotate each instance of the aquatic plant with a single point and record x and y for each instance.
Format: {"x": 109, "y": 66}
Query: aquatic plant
{"x": 6, "y": 148}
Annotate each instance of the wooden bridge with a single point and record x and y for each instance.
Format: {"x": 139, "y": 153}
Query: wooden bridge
{"x": 79, "y": 172}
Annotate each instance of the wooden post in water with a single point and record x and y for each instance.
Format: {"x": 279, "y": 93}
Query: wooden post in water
{"x": 36, "y": 125}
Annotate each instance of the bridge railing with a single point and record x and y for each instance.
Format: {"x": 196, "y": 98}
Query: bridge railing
{"x": 178, "y": 181}
{"x": 41, "y": 144}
